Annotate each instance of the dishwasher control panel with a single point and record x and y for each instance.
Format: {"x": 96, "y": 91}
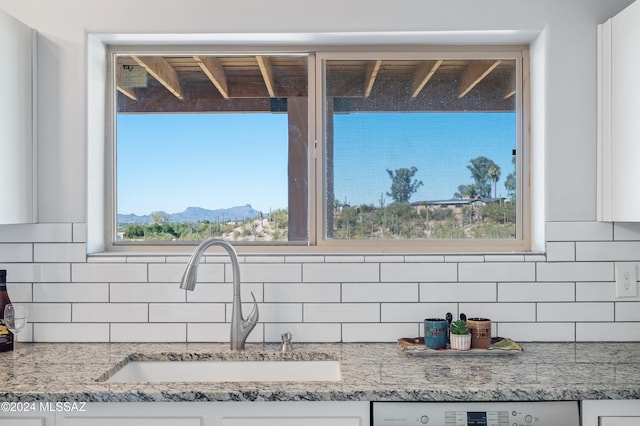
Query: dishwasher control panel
{"x": 552, "y": 413}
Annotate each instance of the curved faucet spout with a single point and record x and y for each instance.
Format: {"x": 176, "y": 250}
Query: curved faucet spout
{"x": 240, "y": 328}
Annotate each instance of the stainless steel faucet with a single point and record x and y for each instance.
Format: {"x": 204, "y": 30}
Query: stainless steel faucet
{"x": 240, "y": 328}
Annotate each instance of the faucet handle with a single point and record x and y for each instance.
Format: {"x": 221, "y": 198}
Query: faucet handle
{"x": 286, "y": 345}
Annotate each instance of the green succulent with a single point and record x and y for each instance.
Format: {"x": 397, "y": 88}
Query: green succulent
{"x": 459, "y": 327}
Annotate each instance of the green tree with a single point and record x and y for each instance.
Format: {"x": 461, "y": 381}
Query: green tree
{"x": 494, "y": 173}
{"x": 158, "y": 217}
{"x": 479, "y": 168}
{"x": 466, "y": 191}
{"x": 403, "y": 186}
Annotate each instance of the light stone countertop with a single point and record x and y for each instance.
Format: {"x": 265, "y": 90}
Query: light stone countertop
{"x": 370, "y": 372}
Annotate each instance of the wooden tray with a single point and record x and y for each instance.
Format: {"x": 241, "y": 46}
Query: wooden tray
{"x": 416, "y": 347}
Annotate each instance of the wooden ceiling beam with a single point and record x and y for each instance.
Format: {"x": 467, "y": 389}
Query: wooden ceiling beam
{"x": 423, "y": 74}
{"x": 160, "y": 69}
{"x": 214, "y": 71}
{"x": 264, "y": 62}
{"x": 370, "y": 76}
{"x": 511, "y": 86}
{"x": 473, "y": 74}
{"x": 127, "y": 91}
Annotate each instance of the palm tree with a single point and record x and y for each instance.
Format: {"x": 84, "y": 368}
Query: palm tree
{"x": 493, "y": 170}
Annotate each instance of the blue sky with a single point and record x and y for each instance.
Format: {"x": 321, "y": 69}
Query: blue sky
{"x": 173, "y": 161}
{"x": 439, "y": 145}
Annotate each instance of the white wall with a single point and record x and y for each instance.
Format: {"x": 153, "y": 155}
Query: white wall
{"x": 565, "y": 293}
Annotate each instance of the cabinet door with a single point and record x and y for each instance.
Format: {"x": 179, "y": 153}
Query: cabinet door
{"x": 619, "y": 127}
{"x": 619, "y": 421}
{"x": 131, "y": 421}
{"x": 17, "y": 179}
{"x": 292, "y": 421}
{"x": 40, "y": 421}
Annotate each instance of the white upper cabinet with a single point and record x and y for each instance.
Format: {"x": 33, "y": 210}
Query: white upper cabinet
{"x": 17, "y": 122}
{"x": 619, "y": 117}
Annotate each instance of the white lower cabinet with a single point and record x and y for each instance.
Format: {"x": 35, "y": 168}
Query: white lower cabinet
{"x": 217, "y": 414}
{"x": 22, "y": 421}
{"x": 611, "y": 413}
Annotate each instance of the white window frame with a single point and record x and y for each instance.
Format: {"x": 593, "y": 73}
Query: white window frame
{"x": 522, "y": 242}
{"x": 317, "y": 242}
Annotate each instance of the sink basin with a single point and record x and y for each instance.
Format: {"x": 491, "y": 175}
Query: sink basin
{"x": 227, "y": 371}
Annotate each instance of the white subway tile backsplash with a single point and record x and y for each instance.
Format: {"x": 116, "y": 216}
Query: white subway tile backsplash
{"x": 209, "y": 332}
{"x": 340, "y": 272}
{"x": 579, "y": 311}
{"x": 607, "y": 332}
{"x": 596, "y": 292}
{"x": 220, "y": 332}
{"x": 304, "y": 259}
{"x": 379, "y": 292}
{"x": 70, "y": 332}
{"x": 415, "y": 312}
{"x": 223, "y": 292}
{"x": 267, "y": 272}
{"x": 36, "y": 233}
{"x": 186, "y": 312}
{"x": 101, "y": 272}
{"x": 627, "y": 311}
{"x": 110, "y": 312}
{"x": 303, "y": 332}
{"x": 575, "y": 271}
{"x": 302, "y": 292}
{"x": 599, "y": 251}
{"x": 49, "y": 312}
{"x": 384, "y": 259}
{"x": 275, "y": 312}
{"x": 626, "y": 231}
{"x": 147, "y": 292}
{"x": 156, "y": 332}
{"x": 71, "y": 292}
{"x": 59, "y": 252}
{"x": 16, "y": 253}
{"x": 172, "y": 272}
{"x": 418, "y": 272}
{"x": 579, "y": 231}
{"x": 377, "y": 332}
{"x": 536, "y": 292}
{"x": 20, "y": 292}
{"x": 264, "y": 259}
{"x": 344, "y": 259}
{"x": 537, "y": 332}
{"x": 473, "y": 272}
{"x": 463, "y": 258}
{"x": 458, "y": 292}
{"x": 79, "y": 232}
{"x": 504, "y": 258}
{"x": 37, "y": 272}
{"x": 500, "y": 312}
{"x": 564, "y": 294}
{"x": 564, "y": 251}
{"x": 341, "y": 312}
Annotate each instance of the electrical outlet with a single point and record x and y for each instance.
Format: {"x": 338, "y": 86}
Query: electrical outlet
{"x": 626, "y": 280}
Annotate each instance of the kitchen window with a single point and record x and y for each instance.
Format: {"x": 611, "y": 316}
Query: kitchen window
{"x": 369, "y": 151}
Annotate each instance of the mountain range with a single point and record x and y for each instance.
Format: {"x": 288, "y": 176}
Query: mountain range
{"x": 194, "y": 214}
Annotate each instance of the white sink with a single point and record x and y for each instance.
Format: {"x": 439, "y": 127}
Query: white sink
{"x": 228, "y": 371}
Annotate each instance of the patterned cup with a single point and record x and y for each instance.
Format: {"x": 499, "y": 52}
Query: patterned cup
{"x": 436, "y": 333}
{"x": 480, "y": 329}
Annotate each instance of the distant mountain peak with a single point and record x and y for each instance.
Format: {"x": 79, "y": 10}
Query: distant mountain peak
{"x": 195, "y": 214}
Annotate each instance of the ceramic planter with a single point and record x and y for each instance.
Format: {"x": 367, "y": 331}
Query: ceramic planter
{"x": 461, "y": 342}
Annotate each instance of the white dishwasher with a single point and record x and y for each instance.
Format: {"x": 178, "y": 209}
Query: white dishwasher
{"x": 543, "y": 413}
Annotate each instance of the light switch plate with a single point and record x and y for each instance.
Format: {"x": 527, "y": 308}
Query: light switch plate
{"x": 626, "y": 280}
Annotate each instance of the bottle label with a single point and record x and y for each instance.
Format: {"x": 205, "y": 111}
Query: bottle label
{"x": 3, "y": 329}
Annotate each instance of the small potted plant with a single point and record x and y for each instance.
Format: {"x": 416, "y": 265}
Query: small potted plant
{"x": 460, "y": 336}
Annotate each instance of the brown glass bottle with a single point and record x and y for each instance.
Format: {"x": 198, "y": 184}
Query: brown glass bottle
{"x": 6, "y": 337}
